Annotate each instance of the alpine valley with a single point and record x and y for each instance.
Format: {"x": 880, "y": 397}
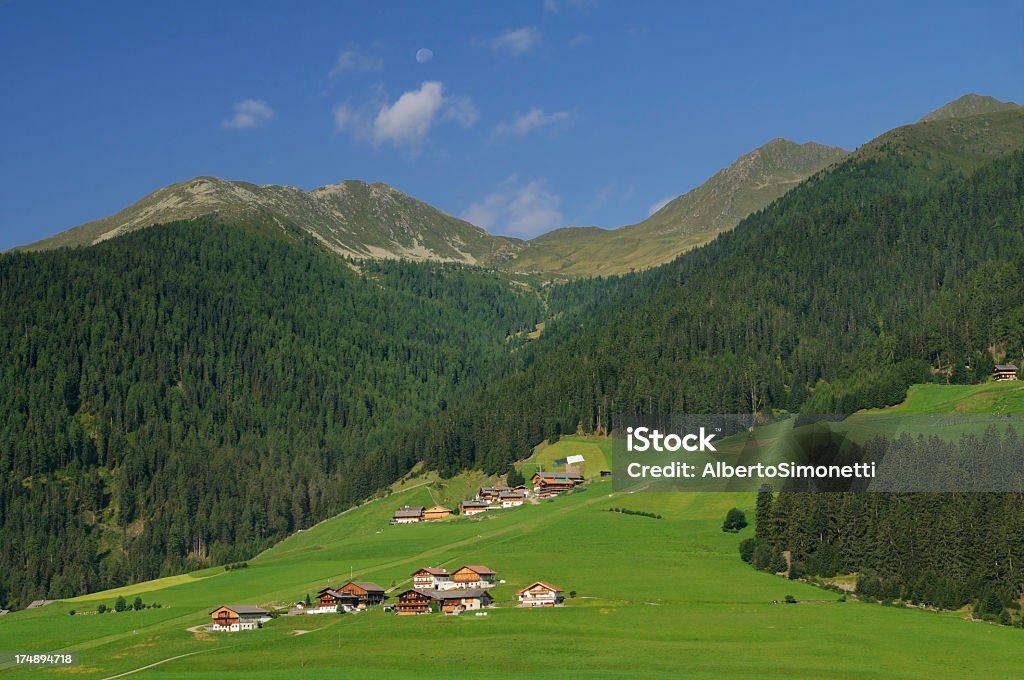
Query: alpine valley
{"x": 232, "y": 374}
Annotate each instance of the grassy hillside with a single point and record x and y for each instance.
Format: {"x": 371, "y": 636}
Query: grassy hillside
{"x": 990, "y": 397}
{"x": 753, "y": 181}
{"x": 654, "y": 597}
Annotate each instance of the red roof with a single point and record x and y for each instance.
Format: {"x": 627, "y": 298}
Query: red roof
{"x": 545, "y": 584}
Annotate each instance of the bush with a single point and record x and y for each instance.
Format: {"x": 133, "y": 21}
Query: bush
{"x": 790, "y": 599}
{"x": 735, "y": 520}
{"x": 137, "y": 605}
{"x": 639, "y": 513}
{"x": 120, "y": 604}
{"x": 101, "y": 609}
{"x": 71, "y": 613}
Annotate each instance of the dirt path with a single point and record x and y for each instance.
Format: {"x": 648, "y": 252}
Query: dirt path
{"x": 157, "y": 663}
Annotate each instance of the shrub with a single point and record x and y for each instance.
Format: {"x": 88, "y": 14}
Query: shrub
{"x": 790, "y": 599}
{"x": 735, "y": 520}
{"x": 120, "y": 604}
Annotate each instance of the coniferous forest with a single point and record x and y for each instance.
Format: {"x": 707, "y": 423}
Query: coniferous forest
{"x": 190, "y": 393}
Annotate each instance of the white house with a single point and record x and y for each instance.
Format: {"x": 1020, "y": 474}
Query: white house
{"x": 431, "y": 578}
{"x": 540, "y": 594}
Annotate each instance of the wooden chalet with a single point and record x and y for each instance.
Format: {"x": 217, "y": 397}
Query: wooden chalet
{"x": 511, "y": 499}
{"x": 236, "y": 617}
{"x": 414, "y": 601}
{"x": 431, "y": 578}
{"x": 548, "y": 484}
{"x": 490, "y": 493}
{"x": 367, "y": 594}
{"x": 540, "y": 594}
{"x": 408, "y": 514}
{"x": 1004, "y": 372}
{"x": 333, "y": 600}
{"x": 435, "y": 513}
{"x": 473, "y": 576}
{"x": 470, "y": 508}
{"x": 451, "y": 602}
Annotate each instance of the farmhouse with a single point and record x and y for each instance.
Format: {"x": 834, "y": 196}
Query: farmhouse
{"x": 236, "y": 617}
{"x": 540, "y": 594}
{"x": 473, "y": 507}
{"x": 330, "y": 600}
{"x": 548, "y": 484}
{"x": 421, "y": 601}
{"x": 1004, "y": 372}
{"x": 490, "y": 493}
{"x": 414, "y": 601}
{"x": 408, "y": 514}
{"x": 435, "y": 513}
{"x": 432, "y": 578}
{"x": 511, "y": 499}
{"x": 366, "y": 593}
{"x": 473, "y": 576}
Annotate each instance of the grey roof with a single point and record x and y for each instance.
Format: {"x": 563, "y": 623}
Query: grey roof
{"x": 4, "y": 611}
{"x": 455, "y": 594}
{"x": 368, "y": 586}
{"x": 409, "y": 511}
{"x": 474, "y": 504}
{"x": 1005, "y": 367}
{"x": 38, "y": 603}
{"x": 513, "y": 494}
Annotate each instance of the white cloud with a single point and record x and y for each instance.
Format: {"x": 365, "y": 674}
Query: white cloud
{"x": 424, "y": 55}
{"x": 551, "y": 6}
{"x": 408, "y": 120}
{"x": 659, "y": 205}
{"x": 250, "y": 113}
{"x": 516, "y": 42}
{"x": 517, "y": 209}
{"x": 462, "y": 110}
{"x": 356, "y": 122}
{"x": 579, "y": 40}
{"x": 350, "y": 60}
{"x": 530, "y": 121}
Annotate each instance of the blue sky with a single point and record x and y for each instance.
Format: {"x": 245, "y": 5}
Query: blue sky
{"x": 519, "y": 116}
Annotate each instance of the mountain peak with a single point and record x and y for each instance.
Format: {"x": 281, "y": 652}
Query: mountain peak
{"x": 968, "y": 105}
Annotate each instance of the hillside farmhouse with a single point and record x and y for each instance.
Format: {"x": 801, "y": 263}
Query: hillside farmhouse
{"x": 540, "y": 594}
{"x": 550, "y": 484}
{"x": 331, "y": 600}
{"x": 451, "y": 602}
{"x": 435, "y": 513}
{"x": 367, "y": 594}
{"x": 1004, "y": 372}
{"x": 432, "y": 578}
{"x": 408, "y": 514}
{"x": 470, "y": 508}
{"x": 473, "y": 576}
{"x": 511, "y": 499}
{"x": 237, "y": 617}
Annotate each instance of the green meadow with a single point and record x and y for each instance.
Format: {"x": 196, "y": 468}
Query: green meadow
{"x": 653, "y": 598}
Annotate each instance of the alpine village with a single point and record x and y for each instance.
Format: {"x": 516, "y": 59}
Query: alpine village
{"x": 434, "y": 589}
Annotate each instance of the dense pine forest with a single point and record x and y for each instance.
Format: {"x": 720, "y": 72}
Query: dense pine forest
{"x": 853, "y": 286}
{"x": 943, "y": 550}
{"x": 192, "y": 393}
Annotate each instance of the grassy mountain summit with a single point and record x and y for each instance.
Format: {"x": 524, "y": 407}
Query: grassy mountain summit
{"x": 969, "y": 105}
{"x": 350, "y": 218}
{"x": 753, "y": 181}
